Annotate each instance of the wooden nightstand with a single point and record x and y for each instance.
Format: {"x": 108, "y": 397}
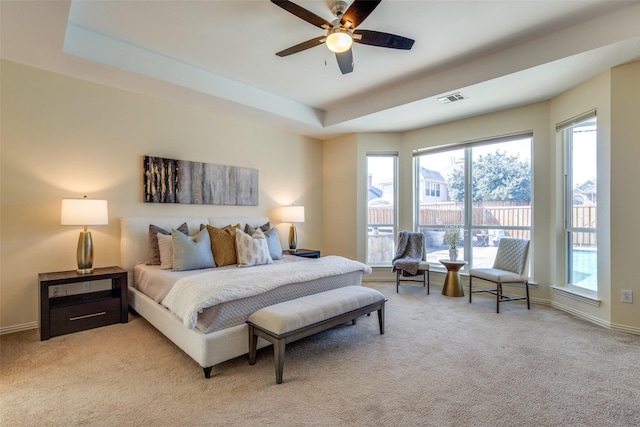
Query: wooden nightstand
{"x": 306, "y": 253}
{"x": 73, "y": 313}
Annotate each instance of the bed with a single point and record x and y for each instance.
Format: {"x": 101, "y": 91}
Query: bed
{"x": 215, "y": 331}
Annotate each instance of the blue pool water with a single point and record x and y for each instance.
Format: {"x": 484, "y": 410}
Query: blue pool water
{"x": 585, "y": 269}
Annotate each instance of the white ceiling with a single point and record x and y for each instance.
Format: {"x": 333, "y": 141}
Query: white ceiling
{"x": 220, "y": 55}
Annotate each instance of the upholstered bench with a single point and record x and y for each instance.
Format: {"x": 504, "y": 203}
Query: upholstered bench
{"x": 291, "y": 320}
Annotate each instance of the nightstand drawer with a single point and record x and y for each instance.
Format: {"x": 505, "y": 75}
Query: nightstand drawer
{"x": 87, "y": 310}
{"x": 74, "y": 318}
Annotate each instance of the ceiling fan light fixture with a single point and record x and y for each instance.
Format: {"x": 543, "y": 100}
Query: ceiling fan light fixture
{"x": 339, "y": 40}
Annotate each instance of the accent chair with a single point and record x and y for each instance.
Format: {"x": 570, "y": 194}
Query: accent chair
{"x": 511, "y": 266}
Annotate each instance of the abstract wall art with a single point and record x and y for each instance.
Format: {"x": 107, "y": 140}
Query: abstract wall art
{"x": 181, "y": 181}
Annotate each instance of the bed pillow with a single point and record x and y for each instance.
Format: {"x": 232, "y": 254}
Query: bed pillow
{"x": 223, "y": 244}
{"x": 273, "y": 242}
{"x": 252, "y": 250}
{"x": 191, "y": 253}
{"x": 165, "y": 244}
{"x": 154, "y": 251}
{"x": 264, "y": 227}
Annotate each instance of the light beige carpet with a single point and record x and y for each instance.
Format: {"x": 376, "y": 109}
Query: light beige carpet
{"x": 441, "y": 362}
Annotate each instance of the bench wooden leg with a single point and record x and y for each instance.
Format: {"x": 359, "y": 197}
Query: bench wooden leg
{"x": 253, "y": 344}
{"x": 278, "y": 355}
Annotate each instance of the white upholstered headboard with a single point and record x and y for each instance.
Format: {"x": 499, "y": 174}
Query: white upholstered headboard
{"x": 134, "y": 233}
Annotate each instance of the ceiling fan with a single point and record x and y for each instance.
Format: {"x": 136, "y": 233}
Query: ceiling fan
{"x": 341, "y": 33}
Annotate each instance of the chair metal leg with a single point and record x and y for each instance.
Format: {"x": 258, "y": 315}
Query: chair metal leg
{"x": 428, "y": 280}
{"x": 498, "y": 296}
{"x": 526, "y": 285}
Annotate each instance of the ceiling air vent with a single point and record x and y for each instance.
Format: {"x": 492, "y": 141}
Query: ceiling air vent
{"x": 448, "y": 99}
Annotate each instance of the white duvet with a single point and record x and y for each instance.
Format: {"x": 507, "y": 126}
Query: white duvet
{"x": 190, "y": 295}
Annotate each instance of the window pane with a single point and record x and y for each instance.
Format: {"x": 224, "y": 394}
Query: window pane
{"x": 583, "y": 260}
{"x": 437, "y": 248}
{"x": 501, "y": 184}
{"x": 440, "y": 192}
{"x": 581, "y": 204}
{"x": 493, "y": 180}
{"x": 381, "y": 198}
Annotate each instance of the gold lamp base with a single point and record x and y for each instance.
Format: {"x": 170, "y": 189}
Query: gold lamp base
{"x": 85, "y": 253}
{"x": 293, "y": 238}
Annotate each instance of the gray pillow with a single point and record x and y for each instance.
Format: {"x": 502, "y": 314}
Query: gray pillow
{"x": 191, "y": 253}
{"x": 273, "y": 241}
{"x": 250, "y": 230}
{"x": 154, "y": 251}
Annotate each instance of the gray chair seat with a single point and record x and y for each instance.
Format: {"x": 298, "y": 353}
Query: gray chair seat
{"x": 496, "y": 275}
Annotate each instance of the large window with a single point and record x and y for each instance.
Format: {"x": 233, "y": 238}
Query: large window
{"x": 484, "y": 188}
{"x": 381, "y": 207}
{"x": 581, "y": 200}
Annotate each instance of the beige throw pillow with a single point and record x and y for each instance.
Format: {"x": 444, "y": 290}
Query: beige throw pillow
{"x": 223, "y": 244}
{"x": 165, "y": 244}
{"x": 252, "y": 250}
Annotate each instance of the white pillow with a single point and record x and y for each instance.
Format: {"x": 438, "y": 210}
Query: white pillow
{"x": 191, "y": 253}
{"x": 252, "y": 250}
{"x": 165, "y": 246}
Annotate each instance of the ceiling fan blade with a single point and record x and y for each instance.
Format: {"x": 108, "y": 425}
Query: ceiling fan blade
{"x": 302, "y": 13}
{"x": 345, "y": 61}
{"x": 358, "y": 12}
{"x": 376, "y": 38}
{"x": 302, "y": 46}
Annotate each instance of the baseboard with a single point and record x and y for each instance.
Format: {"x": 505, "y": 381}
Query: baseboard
{"x": 593, "y": 319}
{"x": 562, "y": 307}
{"x": 19, "y": 328}
{"x": 624, "y": 328}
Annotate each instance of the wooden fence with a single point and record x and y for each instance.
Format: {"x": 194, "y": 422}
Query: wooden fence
{"x": 487, "y": 214}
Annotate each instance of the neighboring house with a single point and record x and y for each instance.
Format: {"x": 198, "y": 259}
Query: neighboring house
{"x": 586, "y": 193}
{"x": 387, "y": 188}
{"x": 433, "y": 186}
{"x": 373, "y": 193}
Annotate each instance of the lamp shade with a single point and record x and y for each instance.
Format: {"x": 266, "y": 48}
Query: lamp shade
{"x": 84, "y": 212}
{"x": 293, "y": 214}
{"x": 339, "y": 40}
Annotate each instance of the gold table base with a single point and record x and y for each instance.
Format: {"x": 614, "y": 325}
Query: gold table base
{"x": 452, "y": 283}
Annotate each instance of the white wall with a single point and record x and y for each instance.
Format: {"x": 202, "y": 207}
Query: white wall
{"x": 340, "y": 195}
{"x": 625, "y": 202}
{"x": 62, "y": 137}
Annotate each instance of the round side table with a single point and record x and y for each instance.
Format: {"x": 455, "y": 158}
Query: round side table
{"x": 452, "y": 284}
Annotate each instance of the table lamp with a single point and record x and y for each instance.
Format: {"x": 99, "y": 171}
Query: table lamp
{"x": 84, "y": 212}
{"x": 293, "y": 214}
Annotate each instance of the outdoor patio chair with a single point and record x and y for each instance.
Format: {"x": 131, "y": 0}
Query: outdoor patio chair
{"x": 511, "y": 266}
{"x": 410, "y": 259}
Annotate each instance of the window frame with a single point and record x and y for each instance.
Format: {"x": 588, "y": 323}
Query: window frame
{"x": 469, "y": 228}
{"x": 385, "y": 261}
{"x": 564, "y": 130}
